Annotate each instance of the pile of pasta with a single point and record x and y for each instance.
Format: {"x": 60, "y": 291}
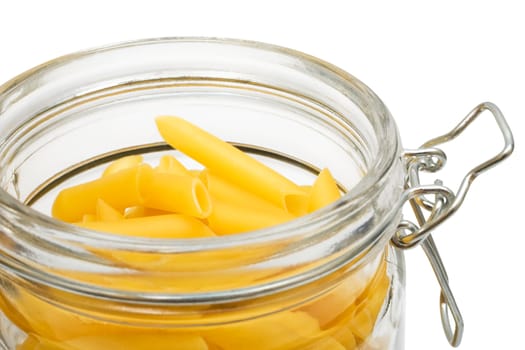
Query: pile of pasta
{"x": 234, "y": 193}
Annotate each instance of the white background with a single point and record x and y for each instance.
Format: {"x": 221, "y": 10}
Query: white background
{"x": 429, "y": 62}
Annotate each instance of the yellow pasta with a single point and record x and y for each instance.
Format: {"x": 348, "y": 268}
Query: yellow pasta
{"x": 50, "y": 322}
{"x": 228, "y": 218}
{"x": 89, "y": 217}
{"x": 120, "y": 190}
{"x": 327, "y": 343}
{"x": 213, "y": 347}
{"x": 379, "y": 278}
{"x": 120, "y": 341}
{"x": 335, "y": 303}
{"x": 105, "y": 212}
{"x": 11, "y": 310}
{"x": 285, "y": 330}
{"x": 306, "y": 188}
{"x": 297, "y": 204}
{"x": 34, "y": 342}
{"x": 195, "y": 173}
{"x": 227, "y": 161}
{"x": 161, "y": 226}
{"x": 122, "y": 164}
{"x": 362, "y": 323}
{"x": 139, "y": 211}
{"x": 170, "y": 164}
{"x": 345, "y": 337}
{"x": 323, "y": 192}
{"x": 367, "y": 311}
{"x": 52, "y": 327}
{"x": 225, "y": 191}
{"x": 157, "y": 340}
{"x": 175, "y": 193}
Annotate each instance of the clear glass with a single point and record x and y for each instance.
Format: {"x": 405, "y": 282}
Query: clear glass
{"x": 328, "y": 280}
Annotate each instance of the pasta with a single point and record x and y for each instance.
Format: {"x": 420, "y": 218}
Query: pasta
{"x": 327, "y": 309}
{"x": 175, "y": 193}
{"x": 323, "y": 192}
{"x": 227, "y": 161}
{"x": 328, "y": 343}
{"x": 123, "y": 163}
{"x": 119, "y": 189}
{"x": 248, "y": 194}
{"x": 141, "y": 341}
{"x": 140, "y": 211}
{"x": 105, "y": 212}
{"x": 170, "y": 164}
{"x": 366, "y": 313}
{"x": 297, "y": 203}
{"x": 225, "y": 191}
{"x": 89, "y": 217}
{"x": 345, "y": 337}
{"x": 229, "y": 217}
{"x": 261, "y": 334}
{"x": 161, "y": 226}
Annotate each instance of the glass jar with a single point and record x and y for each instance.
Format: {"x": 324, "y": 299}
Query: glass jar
{"x": 330, "y": 280}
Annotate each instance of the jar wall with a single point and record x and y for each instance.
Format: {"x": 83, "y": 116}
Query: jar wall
{"x": 364, "y": 310}
{"x": 322, "y": 281}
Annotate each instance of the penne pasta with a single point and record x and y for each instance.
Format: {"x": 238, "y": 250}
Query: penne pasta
{"x": 195, "y": 173}
{"x": 120, "y": 190}
{"x": 284, "y": 330}
{"x": 326, "y": 343}
{"x": 227, "y": 217}
{"x": 161, "y": 226}
{"x": 89, "y": 217}
{"x": 367, "y": 311}
{"x": 306, "y": 189}
{"x": 139, "y": 211}
{"x": 226, "y": 161}
{"x": 105, "y": 212}
{"x": 170, "y": 164}
{"x": 52, "y": 327}
{"x": 33, "y": 342}
{"x": 336, "y": 303}
{"x": 225, "y": 191}
{"x": 323, "y": 192}
{"x": 144, "y": 340}
{"x": 345, "y": 337}
{"x": 122, "y": 164}
{"x": 175, "y": 193}
{"x": 297, "y": 203}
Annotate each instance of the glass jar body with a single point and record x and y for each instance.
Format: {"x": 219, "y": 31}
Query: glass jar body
{"x": 361, "y": 311}
{"x": 325, "y": 281}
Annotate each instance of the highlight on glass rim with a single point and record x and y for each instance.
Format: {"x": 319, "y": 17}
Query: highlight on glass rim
{"x": 212, "y": 194}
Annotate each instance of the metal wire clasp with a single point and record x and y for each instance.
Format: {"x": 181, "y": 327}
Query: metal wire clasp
{"x": 445, "y": 203}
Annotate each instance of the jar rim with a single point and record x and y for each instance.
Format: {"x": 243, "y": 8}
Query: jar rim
{"x": 367, "y": 187}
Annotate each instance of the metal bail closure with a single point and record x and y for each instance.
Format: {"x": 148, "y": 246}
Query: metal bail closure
{"x": 444, "y": 204}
